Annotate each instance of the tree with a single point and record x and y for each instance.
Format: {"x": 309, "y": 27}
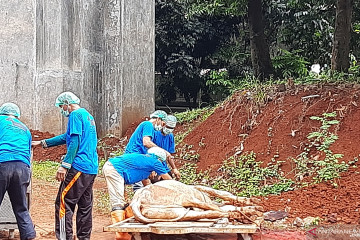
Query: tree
{"x": 182, "y": 46}
{"x": 260, "y": 54}
{"x": 341, "y": 43}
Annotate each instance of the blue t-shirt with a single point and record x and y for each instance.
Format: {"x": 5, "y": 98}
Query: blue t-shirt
{"x": 166, "y": 142}
{"x": 81, "y": 123}
{"x": 15, "y": 140}
{"x": 135, "y": 167}
{"x": 135, "y": 145}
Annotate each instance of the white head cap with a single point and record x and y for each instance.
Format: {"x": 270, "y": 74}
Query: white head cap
{"x": 159, "y": 152}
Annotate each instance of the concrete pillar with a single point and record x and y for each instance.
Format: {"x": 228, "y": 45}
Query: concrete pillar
{"x": 103, "y": 51}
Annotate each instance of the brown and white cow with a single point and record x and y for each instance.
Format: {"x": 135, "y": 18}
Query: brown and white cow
{"x": 170, "y": 200}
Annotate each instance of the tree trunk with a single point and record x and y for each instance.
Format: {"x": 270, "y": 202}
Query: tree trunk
{"x": 341, "y": 43}
{"x": 260, "y": 55}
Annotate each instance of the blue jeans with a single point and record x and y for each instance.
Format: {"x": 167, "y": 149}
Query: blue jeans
{"x": 15, "y": 178}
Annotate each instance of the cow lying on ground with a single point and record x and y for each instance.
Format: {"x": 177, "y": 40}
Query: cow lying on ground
{"x": 170, "y": 200}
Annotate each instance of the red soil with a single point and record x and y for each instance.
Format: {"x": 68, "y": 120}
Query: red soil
{"x": 43, "y": 154}
{"x": 269, "y": 133}
{"x": 332, "y": 205}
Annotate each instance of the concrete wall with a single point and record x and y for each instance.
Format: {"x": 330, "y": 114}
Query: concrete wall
{"x": 103, "y": 51}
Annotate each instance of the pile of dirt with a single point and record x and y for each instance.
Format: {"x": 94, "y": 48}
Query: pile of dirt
{"x": 332, "y": 204}
{"x": 43, "y": 154}
{"x": 278, "y": 130}
{"x": 110, "y": 144}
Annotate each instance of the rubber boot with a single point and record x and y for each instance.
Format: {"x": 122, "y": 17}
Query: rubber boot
{"x": 118, "y": 216}
{"x": 128, "y": 212}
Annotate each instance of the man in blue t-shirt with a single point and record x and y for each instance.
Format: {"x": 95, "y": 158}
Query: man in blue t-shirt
{"x": 129, "y": 169}
{"x": 15, "y": 152}
{"x": 77, "y": 171}
{"x": 142, "y": 138}
{"x": 165, "y": 139}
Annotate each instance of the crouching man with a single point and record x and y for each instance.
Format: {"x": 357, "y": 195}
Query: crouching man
{"x": 129, "y": 169}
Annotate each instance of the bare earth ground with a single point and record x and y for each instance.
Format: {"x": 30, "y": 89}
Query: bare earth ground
{"x": 42, "y": 211}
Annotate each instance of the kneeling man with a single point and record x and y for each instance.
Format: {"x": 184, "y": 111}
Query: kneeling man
{"x": 129, "y": 169}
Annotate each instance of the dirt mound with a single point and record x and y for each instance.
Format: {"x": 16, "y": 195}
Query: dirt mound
{"x": 43, "y": 154}
{"x": 278, "y": 129}
{"x": 110, "y": 144}
{"x": 333, "y": 205}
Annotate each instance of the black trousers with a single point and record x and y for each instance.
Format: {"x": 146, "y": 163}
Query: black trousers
{"x": 76, "y": 189}
{"x": 15, "y": 179}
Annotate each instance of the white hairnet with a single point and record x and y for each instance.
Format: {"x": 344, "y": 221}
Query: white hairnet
{"x": 159, "y": 114}
{"x": 66, "y": 98}
{"x": 159, "y": 152}
{"x": 10, "y": 109}
{"x": 171, "y": 121}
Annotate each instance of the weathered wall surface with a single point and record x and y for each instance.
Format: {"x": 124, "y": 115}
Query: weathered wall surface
{"x": 103, "y": 51}
{"x": 17, "y": 64}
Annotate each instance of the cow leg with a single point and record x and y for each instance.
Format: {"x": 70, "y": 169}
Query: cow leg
{"x": 196, "y": 203}
{"x": 248, "y": 210}
{"x": 161, "y": 214}
{"x": 197, "y": 215}
{"x": 226, "y": 195}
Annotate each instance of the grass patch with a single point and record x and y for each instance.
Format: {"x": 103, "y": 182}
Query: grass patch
{"x": 45, "y": 170}
{"x": 102, "y": 201}
{"x": 200, "y": 113}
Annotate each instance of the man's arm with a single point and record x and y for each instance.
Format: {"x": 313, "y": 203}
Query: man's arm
{"x": 69, "y": 158}
{"x": 146, "y": 182}
{"x": 148, "y": 143}
{"x": 174, "y": 170}
{"x": 166, "y": 176}
{"x": 51, "y": 142}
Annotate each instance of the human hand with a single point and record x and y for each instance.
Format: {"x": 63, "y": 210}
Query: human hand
{"x": 177, "y": 173}
{"x": 152, "y": 175}
{"x": 60, "y": 174}
{"x": 35, "y": 143}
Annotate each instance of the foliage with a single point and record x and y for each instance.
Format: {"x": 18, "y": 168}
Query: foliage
{"x": 181, "y": 46}
{"x": 328, "y": 167}
{"x": 244, "y": 176}
{"x": 200, "y": 114}
{"x": 190, "y": 175}
{"x": 165, "y": 89}
{"x": 218, "y": 7}
{"x": 290, "y": 64}
{"x": 305, "y": 25}
{"x": 45, "y": 170}
{"x": 354, "y": 68}
{"x": 241, "y": 175}
{"x": 192, "y": 35}
{"x": 220, "y": 84}
{"x": 109, "y": 152}
{"x": 186, "y": 153}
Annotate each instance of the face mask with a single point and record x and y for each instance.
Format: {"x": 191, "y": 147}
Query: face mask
{"x": 167, "y": 131}
{"x": 158, "y": 127}
{"x": 65, "y": 113}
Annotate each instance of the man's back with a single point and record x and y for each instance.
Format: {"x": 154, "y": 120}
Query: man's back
{"x": 135, "y": 145}
{"x": 82, "y": 123}
{"x": 15, "y": 140}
